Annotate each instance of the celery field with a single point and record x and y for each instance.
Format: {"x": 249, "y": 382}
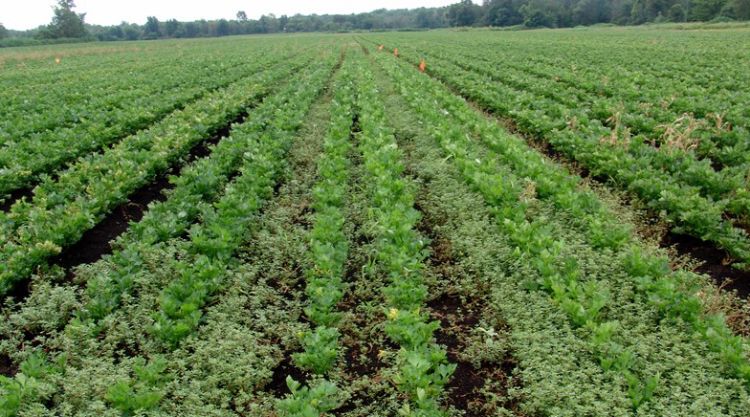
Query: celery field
{"x": 451, "y": 223}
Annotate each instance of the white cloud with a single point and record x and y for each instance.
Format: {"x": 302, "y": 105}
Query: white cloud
{"x": 27, "y": 14}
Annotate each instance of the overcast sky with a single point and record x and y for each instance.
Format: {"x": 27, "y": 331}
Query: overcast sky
{"x": 27, "y": 14}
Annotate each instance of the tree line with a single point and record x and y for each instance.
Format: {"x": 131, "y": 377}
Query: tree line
{"x": 67, "y": 24}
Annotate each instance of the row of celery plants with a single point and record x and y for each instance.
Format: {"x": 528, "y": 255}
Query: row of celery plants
{"x": 683, "y": 205}
{"x": 532, "y": 238}
{"x": 225, "y": 227}
{"x": 85, "y": 92}
{"x": 213, "y": 243}
{"x": 423, "y": 368}
{"x": 663, "y": 289}
{"x": 682, "y": 164}
{"x": 25, "y": 159}
{"x": 704, "y": 85}
{"x": 328, "y": 252}
{"x": 63, "y": 209}
{"x": 197, "y": 185}
{"x": 551, "y": 182}
{"x": 652, "y": 273}
{"x": 258, "y": 147}
{"x": 647, "y": 118}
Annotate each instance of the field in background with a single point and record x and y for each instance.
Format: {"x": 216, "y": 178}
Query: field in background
{"x": 447, "y": 223}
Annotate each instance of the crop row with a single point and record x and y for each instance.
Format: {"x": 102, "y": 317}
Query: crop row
{"x": 84, "y": 92}
{"x": 256, "y": 150}
{"x": 25, "y": 160}
{"x": 675, "y": 154}
{"x": 583, "y": 302}
{"x": 229, "y": 221}
{"x": 63, "y": 209}
{"x": 532, "y": 238}
{"x": 225, "y": 224}
{"x": 92, "y": 95}
{"x": 423, "y": 366}
{"x": 328, "y": 251}
{"x": 683, "y": 205}
{"x": 710, "y": 135}
{"x": 197, "y": 185}
{"x": 708, "y": 81}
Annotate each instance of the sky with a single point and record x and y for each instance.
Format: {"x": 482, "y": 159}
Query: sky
{"x": 28, "y": 14}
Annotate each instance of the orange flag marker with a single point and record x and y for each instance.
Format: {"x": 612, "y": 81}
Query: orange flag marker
{"x": 422, "y": 65}
{"x": 395, "y": 52}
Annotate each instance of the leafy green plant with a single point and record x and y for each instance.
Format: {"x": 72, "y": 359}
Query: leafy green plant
{"x": 320, "y": 350}
{"x": 28, "y": 385}
{"x": 313, "y": 401}
{"x": 143, "y": 392}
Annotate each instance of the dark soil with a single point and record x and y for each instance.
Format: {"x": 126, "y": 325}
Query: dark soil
{"x": 96, "y": 242}
{"x": 363, "y": 364}
{"x": 458, "y": 317}
{"x": 20, "y": 290}
{"x": 285, "y": 368}
{"x": 7, "y": 367}
{"x": 465, "y": 384}
{"x": 714, "y": 262}
{"x": 16, "y": 196}
{"x": 465, "y": 389}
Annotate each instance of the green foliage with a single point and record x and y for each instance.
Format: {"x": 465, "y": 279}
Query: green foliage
{"x": 328, "y": 248}
{"x": 65, "y": 207}
{"x": 320, "y": 350}
{"x": 423, "y": 372}
{"x": 641, "y": 391}
{"x": 422, "y": 366}
{"x": 672, "y": 180}
{"x": 143, "y": 392}
{"x": 313, "y": 401}
{"x": 65, "y": 22}
{"x": 224, "y": 228}
{"x": 559, "y": 276}
{"x": 27, "y": 386}
{"x": 463, "y": 13}
{"x": 197, "y": 185}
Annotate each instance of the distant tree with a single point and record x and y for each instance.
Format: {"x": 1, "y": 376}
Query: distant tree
{"x": 3, "y": 31}
{"x": 151, "y": 28}
{"x": 65, "y": 22}
{"x": 501, "y": 13}
{"x": 535, "y": 14}
{"x": 283, "y": 22}
{"x": 428, "y": 18}
{"x": 130, "y": 32}
{"x": 531, "y": 13}
{"x": 115, "y": 33}
{"x": 703, "y": 10}
{"x": 464, "y": 13}
{"x": 741, "y": 9}
{"x": 589, "y": 12}
{"x": 222, "y": 28}
{"x": 192, "y": 29}
{"x": 677, "y": 13}
{"x": 171, "y": 27}
{"x": 268, "y": 23}
{"x": 638, "y": 13}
